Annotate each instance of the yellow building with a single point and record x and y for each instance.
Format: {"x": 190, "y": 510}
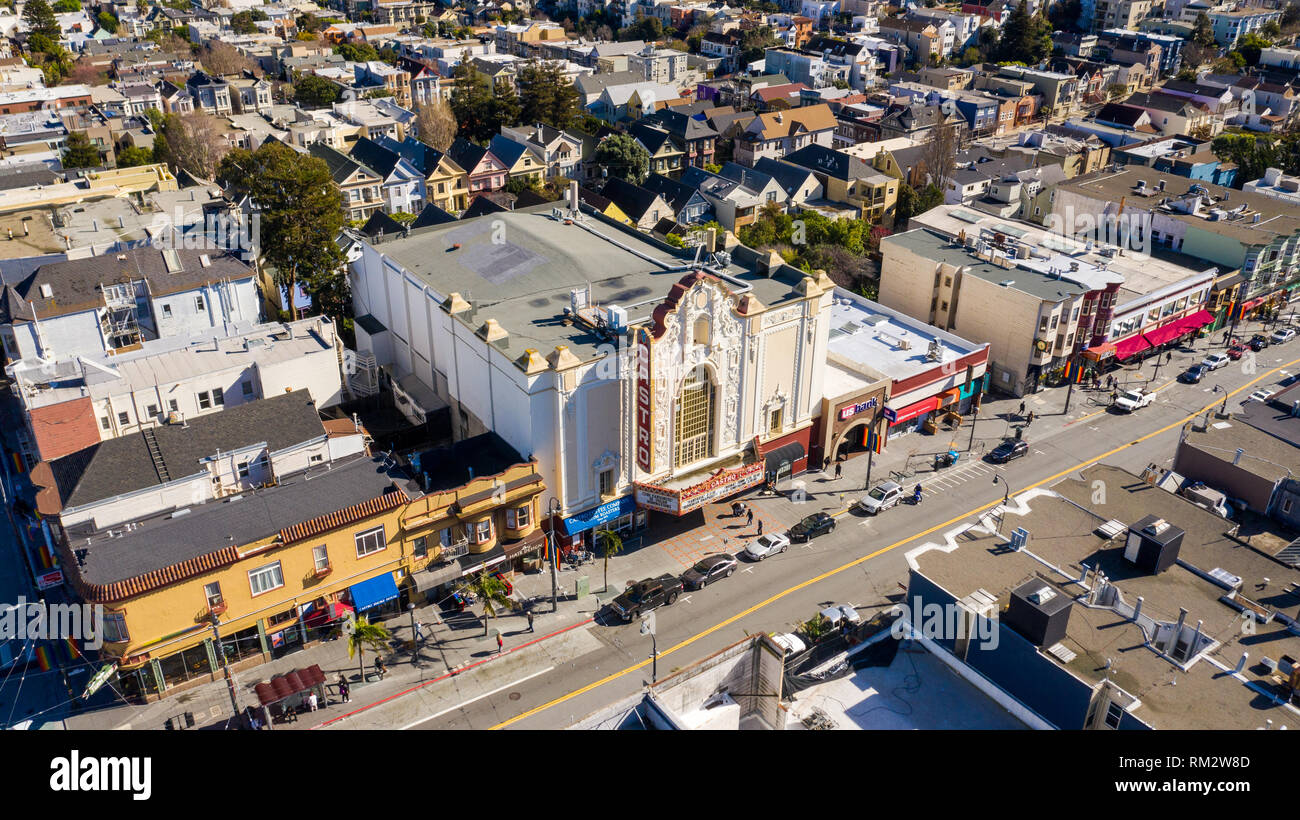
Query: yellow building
{"x": 255, "y": 576}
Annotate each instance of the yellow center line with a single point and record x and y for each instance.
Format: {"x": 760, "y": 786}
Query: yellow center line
{"x": 829, "y": 573}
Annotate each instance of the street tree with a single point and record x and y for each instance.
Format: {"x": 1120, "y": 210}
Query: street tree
{"x": 366, "y": 635}
{"x": 610, "y": 545}
{"x": 492, "y": 593}
{"x": 301, "y": 213}
{"x": 623, "y": 157}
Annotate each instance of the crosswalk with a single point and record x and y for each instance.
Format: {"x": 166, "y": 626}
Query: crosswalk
{"x": 955, "y": 476}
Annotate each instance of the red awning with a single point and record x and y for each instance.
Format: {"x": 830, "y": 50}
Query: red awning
{"x": 1134, "y": 344}
{"x": 1178, "y": 327}
{"x": 1200, "y": 319}
{"x": 330, "y": 612}
{"x": 1099, "y": 352}
{"x": 911, "y": 411}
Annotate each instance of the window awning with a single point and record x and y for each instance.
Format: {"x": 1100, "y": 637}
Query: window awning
{"x": 609, "y": 511}
{"x": 378, "y": 590}
{"x": 1134, "y": 344}
{"x": 911, "y": 411}
{"x": 1178, "y": 327}
{"x": 785, "y": 454}
{"x": 1099, "y": 352}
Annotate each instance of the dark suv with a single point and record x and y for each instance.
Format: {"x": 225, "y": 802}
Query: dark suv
{"x": 812, "y": 526}
{"x": 1258, "y": 342}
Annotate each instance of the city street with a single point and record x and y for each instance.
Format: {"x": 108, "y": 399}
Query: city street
{"x": 859, "y": 563}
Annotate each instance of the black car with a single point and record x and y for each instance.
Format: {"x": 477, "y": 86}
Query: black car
{"x": 709, "y": 569}
{"x": 812, "y": 526}
{"x": 1193, "y": 374}
{"x": 1008, "y": 450}
{"x": 1258, "y": 342}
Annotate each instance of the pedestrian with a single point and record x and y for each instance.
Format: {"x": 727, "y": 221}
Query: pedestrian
{"x": 749, "y": 518}
{"x": 1029, "y": 419}
{"x": 1022, "y": 409}
{"x": 1114, "y": 394}
{"x": 255, "y": 723}
{"x": 760, "y": 526}
{"x": 380, "y": 669}
{"x": 530, "y": 620}
{"x": 344, "y": 692}
{"x": 826, "y": 464}
{"x": 419, "y": 632}
{"x": 839, "y": 469}
{"x": 500, "y": 643}
{"x": 312, "y": 703}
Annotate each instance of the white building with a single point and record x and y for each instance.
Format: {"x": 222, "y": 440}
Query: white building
{"x": 633, "y": 376}
{"x": 1277, "y": 185}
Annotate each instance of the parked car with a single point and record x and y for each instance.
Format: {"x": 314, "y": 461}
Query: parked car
{"x": 1282, "y": 334}
{"x": 882, "y": 497}
{"x": 709, "y": 569}
{"x": 1131, "y": 400}
{"x": 790, "y": 642}
{"x": 1258, "y": 342}
{"x": 1236, "y": 352}
{"x": 1258, "y": 395}
{"x": 812, "y": 526}
{"x": 1215, "y": 360}
{"x": 1193, "y": 374}
{"x": 837, "y": 614}
{"x": 766, "y": 545}
{"x": 643, "y": 596}
{"x": 1008, "y": 450}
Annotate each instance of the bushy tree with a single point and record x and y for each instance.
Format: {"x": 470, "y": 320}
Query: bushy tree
{"x": 1025, "y": 37}
{"x": 107, "y": 22}
{"x": 623, "y": 157}
{"x": 301, "y": 212}
{"x": 66, "y": 6}
{"x": 357, "y": 52}
{"x": 1203, "y": 31}
{"x": 195, "y": 143}
{"x": 132, "y": 156}
{"x": 315, "y": 92}
{"x": 80, "y": 153}
{"x": 40, "y": 19}
{"x": 546, "y": 95}
{"x": 436, "y": 125}
{"x": 480, "y": 108}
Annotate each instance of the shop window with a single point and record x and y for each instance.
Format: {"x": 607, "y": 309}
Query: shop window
{"x": 370, "y": 542}
{"x": 281, "y": 618}
{"x": 265, "y": 579}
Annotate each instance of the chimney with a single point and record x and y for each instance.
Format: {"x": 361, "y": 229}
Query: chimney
{"x": 573, "y": 197}
{"x": 1241, "y": 663}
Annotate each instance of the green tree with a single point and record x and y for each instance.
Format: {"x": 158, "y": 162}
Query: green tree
{"x": 816, "y": 627}
{"x": 309, "y": 23}
{"x": 492, "y": 593}
{"x": 610, "y": 545}
{"x": 357, "y": 52}
{"x": 80, "y": 153}
{"x": 107, "y": 22}
{"x": 546, "y": 96}
{"x": 1065, "y": 15}
{"x": 649, "y": 29}
{"x": 479, "y": 108}
{"x": 1203, "y": 31}
{"x": 40, "y": 19}
{"x": 1249, "y": 46}
{"x": 242, "y": 22}
{"x": 367, "y": 635}
{"x": 66, "y": 6}
{"x": 912, "y": 202}
{"x": 1025, "y": 37}
{"x": 132, "y": 156}
{"x": 623, "y": 157}
{"x": 301, "y": 213}
{"x": 755, "y": 42}
{"x": 315, "y": 92}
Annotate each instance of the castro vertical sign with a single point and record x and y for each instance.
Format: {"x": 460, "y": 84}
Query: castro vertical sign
{"x": 644, "y": 403}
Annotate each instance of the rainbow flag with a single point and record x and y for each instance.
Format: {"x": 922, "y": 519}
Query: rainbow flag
{"x": 73, "y": 652}
{"x": 43, "y": 658}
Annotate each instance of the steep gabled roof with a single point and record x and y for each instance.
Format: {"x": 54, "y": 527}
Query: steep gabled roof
{"x": 480, "y": 206}
{"x": 633, "y": 200}
{"x": 431, "y": 215}
{"x": 381, "y": 224}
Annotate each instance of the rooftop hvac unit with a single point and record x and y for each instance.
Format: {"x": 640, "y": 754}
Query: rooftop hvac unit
{"x": 1038, "y": 613}
{"x": 1153, "y": 544}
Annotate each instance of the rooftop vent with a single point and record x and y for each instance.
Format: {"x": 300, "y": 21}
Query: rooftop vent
{"x": 47, "y": 292}
{"x": 1041, "y": 595}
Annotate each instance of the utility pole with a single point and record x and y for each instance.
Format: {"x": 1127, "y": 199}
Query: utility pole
{"x": 554, "y": 555}
{"x": 1006, "y": 498}
{"x": 225, "y": 667}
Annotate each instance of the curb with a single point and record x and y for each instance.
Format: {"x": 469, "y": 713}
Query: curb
{"x": 452, "y": 672}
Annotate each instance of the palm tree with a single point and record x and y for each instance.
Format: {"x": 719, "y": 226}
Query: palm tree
{"x": 375, "y": 636}
{"x": 492, "y": 593}
{"x": 610, "y": 544}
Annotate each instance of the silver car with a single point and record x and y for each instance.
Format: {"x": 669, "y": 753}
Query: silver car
{"x": 882, "y": 497}
{"x": 766, "y": 545}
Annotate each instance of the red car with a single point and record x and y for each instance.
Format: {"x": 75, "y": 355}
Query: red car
{"x": 1236, "y": 352}
{"x": 510, "y": 588}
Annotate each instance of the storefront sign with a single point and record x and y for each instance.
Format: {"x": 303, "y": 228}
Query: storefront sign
{"x": 890, "y": 415}
{"x": 853, "y": 409}
{"x": 720, "y": 485}
{"x": 49, "y": 579}
{"x": 644, "y": 404}
{"x": 609, "y": 511}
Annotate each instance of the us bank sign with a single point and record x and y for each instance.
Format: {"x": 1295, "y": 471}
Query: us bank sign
{"x": 861, "y": 407}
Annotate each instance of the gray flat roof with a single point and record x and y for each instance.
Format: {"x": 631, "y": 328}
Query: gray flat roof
{"x": 167, "y": 540}
{"x": 519, "y": 267}
{"x": 1111, "y": 646}
{"x": 940, "y": 248}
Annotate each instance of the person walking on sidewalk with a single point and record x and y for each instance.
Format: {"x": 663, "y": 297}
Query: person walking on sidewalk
{"x": 839, "y": 469}
{"x": 530, "y": 621}
{"x": 760, "y": 526}
{"x": 749, "y": 518}
{"x": 1022, "y": 410}
{"x": 344, "y": 692}
{"x": 312, "y": 703}
{"x": 1029, "y": 419}
{"x": 500, "y": 643}
{"x": 419, "y": 632}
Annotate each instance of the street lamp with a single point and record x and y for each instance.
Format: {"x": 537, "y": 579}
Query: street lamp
{"x": 225, "y": 667}
{"x": 553, "y": 508}
{"x": 411, "y": 609}
{"x": 648, "y": 628}
{"x": 1006, "y": 497}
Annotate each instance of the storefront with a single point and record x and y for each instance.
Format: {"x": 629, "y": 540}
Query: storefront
{"x": 620, "y": 515}
{"x": 847, "y": 423}
{"x": 681, "y": 500}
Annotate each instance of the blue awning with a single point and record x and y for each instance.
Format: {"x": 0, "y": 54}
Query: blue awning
{"x": 378, "y": 590}
{"x": 609, "y": 511}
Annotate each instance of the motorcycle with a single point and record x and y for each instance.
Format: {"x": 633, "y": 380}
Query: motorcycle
{"x": 946, "y": 459}
{"x": 916, "y": 495}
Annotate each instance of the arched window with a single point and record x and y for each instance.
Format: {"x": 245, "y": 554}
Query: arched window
{"x": 693, "y": 416}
